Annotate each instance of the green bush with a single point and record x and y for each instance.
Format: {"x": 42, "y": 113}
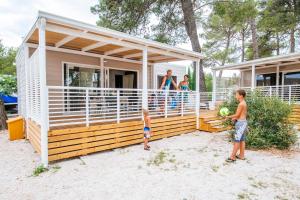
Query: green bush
{"x": 267, "y": 120}
{"x": 8, "y": 84}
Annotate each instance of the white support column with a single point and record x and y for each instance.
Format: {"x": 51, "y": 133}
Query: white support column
{"x": 214, "y": 89}
{"x": 253, "y": 79}
{"x": 145, "y": 79}
{"x": 43, "y": 92}
{"x": 102, "y": 72}
{"x": 277, "y": 79}
{"x": 197, "y": 94}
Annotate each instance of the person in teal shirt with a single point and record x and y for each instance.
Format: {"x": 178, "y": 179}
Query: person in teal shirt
{"x": 167, "y": 81}
{"x": 184, "y": 85}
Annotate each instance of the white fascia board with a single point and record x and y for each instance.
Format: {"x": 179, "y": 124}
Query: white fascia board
{"x": 116, "y": 34}
{"x": 272, "y": 59}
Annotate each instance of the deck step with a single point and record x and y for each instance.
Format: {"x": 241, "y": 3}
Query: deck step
{"x": 295, "y": 116}
{"x": 212, "y": 123}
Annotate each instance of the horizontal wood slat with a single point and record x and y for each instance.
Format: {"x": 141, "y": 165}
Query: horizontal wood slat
{"x": 72, "y": 142}
{"x": 34, "y": 135}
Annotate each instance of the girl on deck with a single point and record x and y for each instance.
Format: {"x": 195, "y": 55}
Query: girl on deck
{"x": 184, "y": 85}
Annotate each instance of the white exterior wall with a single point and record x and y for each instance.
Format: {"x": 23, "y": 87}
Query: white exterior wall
{"x": 161, "y": 69}
{"x": 21, "y": 81}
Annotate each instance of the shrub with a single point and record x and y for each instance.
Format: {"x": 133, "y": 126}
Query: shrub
{"x": 267, "y": 120}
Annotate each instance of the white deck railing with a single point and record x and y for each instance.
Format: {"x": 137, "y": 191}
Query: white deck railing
{"x": 81, "y": 105}
{"x": 289, "y": 93}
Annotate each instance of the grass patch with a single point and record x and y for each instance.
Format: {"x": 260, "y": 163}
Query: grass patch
{"x": 159, "y": 159}
{"x": 56, "y": 168}
{"x": 243, "y": 196}
{"x": 215, "y": 168}
{"x": 38, "y": 170}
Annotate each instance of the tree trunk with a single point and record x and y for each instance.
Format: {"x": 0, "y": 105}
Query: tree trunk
{"x": 226, "y": 55}
{"x": 292, "y": 41}
{"x": 191, "y": 29}
{"x": 3, "y": 116}
{"x": 277, "y": 44}
{"x": 243, "y": 44}
{"x": 254, "y": 38}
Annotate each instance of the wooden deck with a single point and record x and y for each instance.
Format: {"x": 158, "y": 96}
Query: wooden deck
{"x": 72, "y": 142}
{"x": 34, "y": 135}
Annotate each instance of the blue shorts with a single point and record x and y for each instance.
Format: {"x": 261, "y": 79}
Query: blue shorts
{"x": 147, "y": 133}
{"x": 241, "y": 128}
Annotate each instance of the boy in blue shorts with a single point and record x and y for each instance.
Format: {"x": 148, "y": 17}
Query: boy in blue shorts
{"x": 147, "y": 129}
{"x": 241, "y": 127}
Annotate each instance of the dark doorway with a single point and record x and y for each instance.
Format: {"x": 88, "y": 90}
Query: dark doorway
{"x": 119, "y": 81}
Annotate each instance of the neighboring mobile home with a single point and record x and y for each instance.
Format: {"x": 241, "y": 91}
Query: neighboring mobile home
{"x": 273, "y": 76}
{"x": 82, "y": 88}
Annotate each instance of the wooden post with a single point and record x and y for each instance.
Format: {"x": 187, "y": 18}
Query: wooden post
{"x": 3, "y": 116}
{"x": 253, "y": 77}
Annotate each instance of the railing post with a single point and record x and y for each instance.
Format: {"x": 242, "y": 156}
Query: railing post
{"x": 181, "y": 103}
{"x": 118, "y": 106}
{"x": 270, "y": 91}
{"x": 87, "y": 113}
{"x": 290, "y": 94}
{"x": 166, "y": 103}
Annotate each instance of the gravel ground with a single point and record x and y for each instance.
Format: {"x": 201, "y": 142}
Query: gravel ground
{"x": 186, "y": 167}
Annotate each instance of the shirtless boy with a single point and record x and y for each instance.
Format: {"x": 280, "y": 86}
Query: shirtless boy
{"x": 240, "y": 127}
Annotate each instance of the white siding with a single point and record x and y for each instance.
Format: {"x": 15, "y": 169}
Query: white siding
{"x": 161, "y": 69}
{"x": 21, "y": 82}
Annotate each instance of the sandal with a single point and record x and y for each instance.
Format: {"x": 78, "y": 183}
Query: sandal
{"x": 230, "y": 160}
{"x": 147, "y": 148}
{"x": 238, "y": 157}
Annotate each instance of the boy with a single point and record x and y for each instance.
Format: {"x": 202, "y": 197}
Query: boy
{"x": 147, "y": 129}
{"x": 240, "y": 127}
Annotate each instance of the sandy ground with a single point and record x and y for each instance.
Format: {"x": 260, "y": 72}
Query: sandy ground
{"x": 186, "y": 167}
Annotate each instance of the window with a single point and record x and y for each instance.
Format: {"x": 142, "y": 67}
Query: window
{"x": 267, "y": 79}
{"x": 78, "y": 76}
{"x": 292, "y": 78}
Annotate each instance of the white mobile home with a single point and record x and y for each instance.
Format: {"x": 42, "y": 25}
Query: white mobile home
{"x": 82, "y": 88}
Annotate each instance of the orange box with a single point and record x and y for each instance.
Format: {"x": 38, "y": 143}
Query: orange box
{"x": 15, "y": 128}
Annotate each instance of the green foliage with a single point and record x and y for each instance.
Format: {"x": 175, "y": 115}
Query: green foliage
{"x": 154, "y": 19}
{"x": 7, "y": 60}
{"x": 192, "y": 79}
{"x": 267, "y": 120}
{"x": 208, "y": 82}
{"x": 8, "y": 84}
{"x": 40, "y": 169}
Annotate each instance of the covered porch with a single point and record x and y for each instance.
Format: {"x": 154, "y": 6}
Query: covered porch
{"x": 70, "y": 104}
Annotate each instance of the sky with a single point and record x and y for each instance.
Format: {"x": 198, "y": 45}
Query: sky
{"x": 17, "y": 17}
